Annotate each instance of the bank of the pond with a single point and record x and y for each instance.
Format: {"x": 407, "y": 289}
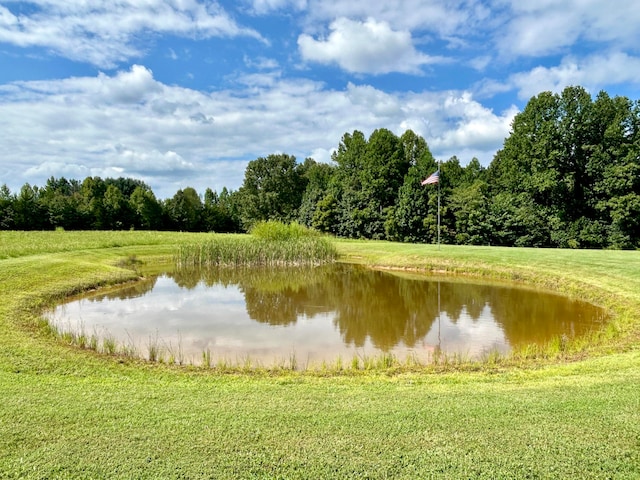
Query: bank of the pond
{"x": 73, "y": 413}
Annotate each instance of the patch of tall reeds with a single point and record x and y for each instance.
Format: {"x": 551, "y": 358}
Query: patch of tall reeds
{"x": 269, "y": 244}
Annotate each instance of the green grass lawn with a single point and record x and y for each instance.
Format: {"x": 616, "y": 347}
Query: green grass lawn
{"x": 72, "y": 413}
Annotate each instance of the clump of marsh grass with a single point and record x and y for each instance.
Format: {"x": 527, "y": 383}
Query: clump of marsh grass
{"x": 206, "y": 358}
{"x": 412, "y": 361}
{"x": 355, "y": 363}
{"x": 269, "y": 244}
{"x": 129, "y": 349}
{"x": 82, "y": 340}
{"x": 109, "y": 345}
{"x": 176, "y": 356}
{"x": 492, "y": 357}
{"x": 292, "y": 362}
{"x": 93, "y": 342}
{"x": 154, "y": 349}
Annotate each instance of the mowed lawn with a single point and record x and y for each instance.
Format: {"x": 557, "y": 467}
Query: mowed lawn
{"x": 68, "y": 412}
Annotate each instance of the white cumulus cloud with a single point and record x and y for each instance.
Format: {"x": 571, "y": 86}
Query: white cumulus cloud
{"x": 104, "y": 33}
{"x": 550, "y": 26}
{"x": 365, "y": 47}
{"x": 593, "y": 72}
{"x": 130, "y": 124}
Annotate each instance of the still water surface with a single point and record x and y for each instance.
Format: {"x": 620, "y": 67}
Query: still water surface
{"x": 316, "y": 315}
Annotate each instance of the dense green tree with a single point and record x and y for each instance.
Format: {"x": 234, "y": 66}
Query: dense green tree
{"x": 366, "y": 181}
{"x": 318, "y": 177}
{"x": 614, "y": 171}
{"x": 219, "y": 212}
{"x": 344, "y": 206}
{"x": 410, "y": 219}
{"x": 126, "y": 185}
{"x": 211, "y": 214}
{"x": 7, "y": 214}
{"x": 145, "y": 208}
{"x": 184, "y": 210}
{"x": 116, "y": 209}
{"x": 92, "y": 195}
{"x": 384, "y": 168}
{"x": 229, "y": 202}
{"x": 469, "y": 206}
{"x": 28, "y": 211}
{"x": 570, "y": 165}
{"x": 326, "y": 215}
{"x": 452, "y": 175}
{"x": 62, "y": 201}
{"x": 473, "y": 172}
{"x": 272, "y": 189}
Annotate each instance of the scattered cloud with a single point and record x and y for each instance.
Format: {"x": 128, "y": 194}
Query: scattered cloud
{"x": 593, "y": 72}
{"x": 261, "y": 63}
{"x": 365, "y": 47}
{"x": 185, "y": 92}
{"x": 262, "y": 7}
{"x": 443, "y": 18}
{"x": 132, "y": 124}
{"x": 105, "y": 33}
{"x": 550, "y": 26}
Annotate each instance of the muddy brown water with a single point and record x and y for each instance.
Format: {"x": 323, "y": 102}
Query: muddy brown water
{"x": 315, "y": 315}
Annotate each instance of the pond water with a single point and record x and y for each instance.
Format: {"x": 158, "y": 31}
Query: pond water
{"x": 268, "y": 317}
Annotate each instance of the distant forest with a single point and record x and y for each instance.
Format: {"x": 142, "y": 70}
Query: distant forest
{"x": 567, "y": 176}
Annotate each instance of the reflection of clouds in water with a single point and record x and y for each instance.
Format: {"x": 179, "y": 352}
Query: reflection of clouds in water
{"x": 467, "y": 336}
{"x": 195, "y": 320}
{"x": 317, "y": 315}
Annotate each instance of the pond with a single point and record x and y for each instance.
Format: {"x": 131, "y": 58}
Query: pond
{"x": 314, "y": 315}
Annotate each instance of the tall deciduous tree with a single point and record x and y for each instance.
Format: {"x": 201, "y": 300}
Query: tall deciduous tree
{"x": 115, "y": 209}
{"x": 184, "y": 210}
{"x": 410, "y": 218}
{"x": 147, "y": 211}
{"x": 28, "y": 212}
{"x": 342, "y": 206}
{"x": 384, "y": 168}
{"x": 7, "y": 213}
{"x": 62, "y": 201}
{"x": 570, "y": 165}
{"x": 272, "y": 189}
{"x": 92, "y": 192}
{"x": 318, "y": 176}
{"x": 365, "y": 185}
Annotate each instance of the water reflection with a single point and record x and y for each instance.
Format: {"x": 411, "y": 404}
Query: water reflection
{"x": 320, "y": 313}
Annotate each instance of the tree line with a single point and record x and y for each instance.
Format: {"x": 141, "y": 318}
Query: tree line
{"x": 568, "y": 175}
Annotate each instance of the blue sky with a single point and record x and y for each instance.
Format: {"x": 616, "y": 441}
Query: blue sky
{"x": 185, "y": 93}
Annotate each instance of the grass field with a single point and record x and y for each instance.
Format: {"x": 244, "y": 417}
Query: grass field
{"x": 68, "y": 412}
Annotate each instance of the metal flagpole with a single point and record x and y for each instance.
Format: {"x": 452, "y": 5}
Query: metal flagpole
{"x": 439, "y": 313}
{"x": 435, "y": 178}
{"x": 439, "y": 175}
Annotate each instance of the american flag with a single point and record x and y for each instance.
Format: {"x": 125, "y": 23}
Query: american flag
{"x": 433, "y": 178}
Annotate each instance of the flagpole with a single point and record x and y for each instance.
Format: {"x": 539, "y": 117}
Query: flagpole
{"x": 435, "y": 178}
{"x": 439, "y": 313}
{"x": 440, "y": 174}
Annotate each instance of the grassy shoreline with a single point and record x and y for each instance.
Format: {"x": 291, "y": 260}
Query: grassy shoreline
{"x": 72, "y": 413}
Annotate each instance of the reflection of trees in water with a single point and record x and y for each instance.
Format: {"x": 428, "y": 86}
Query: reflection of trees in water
{"x": 527, "y": 316}
{"x": 374, "y": 305}
{"x": 524, "y": 315}
{"x": 389, "y": 309}
{"x": 132, "y": 290}
{"x": 282, "y": 308}
{"x": 272, "y": 296}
